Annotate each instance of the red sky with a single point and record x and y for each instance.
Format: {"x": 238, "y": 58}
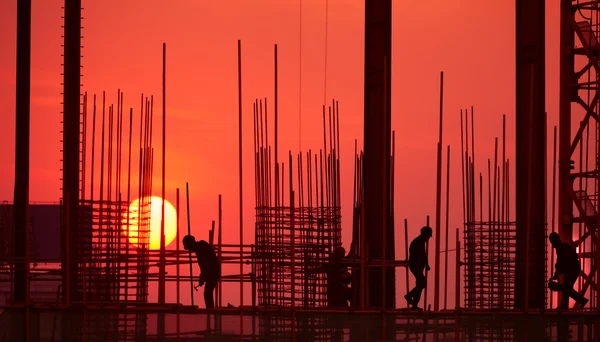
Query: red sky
{"x": 471, "y": 41}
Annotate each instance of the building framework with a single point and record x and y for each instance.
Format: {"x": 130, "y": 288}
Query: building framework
{"x": 97, "y": 289}
{"x": 579, "y": 161}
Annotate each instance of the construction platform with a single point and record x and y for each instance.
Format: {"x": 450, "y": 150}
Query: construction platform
{"x": 191, "y": 323}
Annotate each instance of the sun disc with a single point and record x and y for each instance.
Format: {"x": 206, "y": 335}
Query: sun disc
{"x": 149, "y": 228}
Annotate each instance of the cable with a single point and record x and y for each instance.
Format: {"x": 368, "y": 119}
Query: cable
{"x": 300, "y": 86}
{"x": 326, "y": 32}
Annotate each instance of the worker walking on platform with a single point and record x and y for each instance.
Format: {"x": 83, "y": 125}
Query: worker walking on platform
{"x": 417, "y": 261}
{"x": 567, "y": 265}
{"x": 210, "y": 267}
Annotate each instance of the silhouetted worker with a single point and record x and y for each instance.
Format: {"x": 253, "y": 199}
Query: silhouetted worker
{"x": 338, "y": 279}
{"x": 417, "y": 261}
{"x": 210, "y": 267}
{"x": 567, "y": 265}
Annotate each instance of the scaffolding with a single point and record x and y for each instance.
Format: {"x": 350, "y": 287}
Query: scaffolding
{"x": 579, "y": 161}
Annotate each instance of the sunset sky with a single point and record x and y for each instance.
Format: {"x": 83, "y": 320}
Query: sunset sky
{"x": 472, "y": 41}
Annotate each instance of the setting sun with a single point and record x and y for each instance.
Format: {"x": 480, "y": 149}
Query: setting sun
{"x": 154, "y": 217}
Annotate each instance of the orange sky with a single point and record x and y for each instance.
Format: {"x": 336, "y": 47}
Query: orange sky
{"x": 471, "y": 41}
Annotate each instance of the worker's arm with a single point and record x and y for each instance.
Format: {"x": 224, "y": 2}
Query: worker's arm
{"x": 202, "y": 280}
{"x": 559, "y": 266}
{"x": 557, "y": 272}
{"x": 426, "y": 258}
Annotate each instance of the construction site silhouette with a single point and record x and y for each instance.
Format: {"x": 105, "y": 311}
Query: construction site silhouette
{"x": 91, "y": 267}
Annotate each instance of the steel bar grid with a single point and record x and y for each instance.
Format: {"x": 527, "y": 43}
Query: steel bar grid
{"x": 298, "y": 220}
{"x": 490, "y": 236}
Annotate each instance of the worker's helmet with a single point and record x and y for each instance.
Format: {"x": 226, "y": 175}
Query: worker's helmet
{"x": 188, "y": 241}
{"x": 554, "y": 237}
{"x": 427, "y": 231}
{"x": 340, "y": 251}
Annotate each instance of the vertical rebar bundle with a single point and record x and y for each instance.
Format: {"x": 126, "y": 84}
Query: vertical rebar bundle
{"x": 489, "y": 233}
{"x": 115, "y": 258}
{"x": 295, "y": 238}
{"x": 298, "y": 223}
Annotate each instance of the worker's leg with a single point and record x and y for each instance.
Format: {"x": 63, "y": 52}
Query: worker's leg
{"x": 347, "y": 293}
{"x": 411, "y": 294}
{"x": 415, "y": 293}
{"x": 335, "y": 297}
{"x": 420, "y": 278}
{"x": 567, "y": 290}
{"x": 572, "y": 279}
{"x": 209, "y": 287}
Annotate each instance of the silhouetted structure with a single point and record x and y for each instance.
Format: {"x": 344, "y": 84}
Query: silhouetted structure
{"x": 378, "y": 193}
{"x": 298, "y": 221}
{"x": 530, "y": 163}
{"x": 71, "y": 159}
{"x": 71, "y": 147}
{"x": 22, "y": 143}
{"x": 579, "y": 159}
{"x": 210, "y": 267}
{"x": 20, "y": 242}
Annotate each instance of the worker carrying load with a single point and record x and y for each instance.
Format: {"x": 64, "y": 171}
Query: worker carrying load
{"x": 210, "y": 267}
{"x": 567, "y": 265}
{"x": 417, "y": 262}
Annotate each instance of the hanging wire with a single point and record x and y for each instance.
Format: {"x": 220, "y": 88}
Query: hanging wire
{"x": 326, "y": 34}
{"x": 300, "y": 86}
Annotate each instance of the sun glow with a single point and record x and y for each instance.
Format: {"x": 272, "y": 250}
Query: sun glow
{"x": 149, "y": 230}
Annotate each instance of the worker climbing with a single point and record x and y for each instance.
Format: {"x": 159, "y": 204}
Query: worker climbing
{"x": 210, "y": 267}
{"x": 567, "y": 265}
{"x": 417, "y": 262}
